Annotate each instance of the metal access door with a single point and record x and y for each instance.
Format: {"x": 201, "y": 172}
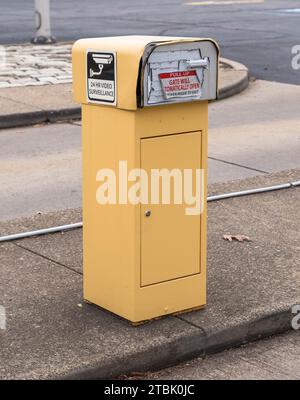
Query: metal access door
{"x": 170, "y": 239}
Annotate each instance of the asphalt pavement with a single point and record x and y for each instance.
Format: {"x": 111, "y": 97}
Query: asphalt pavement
{"x": 260, "y": 34}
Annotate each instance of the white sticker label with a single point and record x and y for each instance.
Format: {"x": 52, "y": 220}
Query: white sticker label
{"x": 180, "y": 84}
{"x": 101, "y": 77}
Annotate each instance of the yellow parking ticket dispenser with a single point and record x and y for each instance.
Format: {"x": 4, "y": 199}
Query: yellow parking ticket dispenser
{"x": 144, "y": 128}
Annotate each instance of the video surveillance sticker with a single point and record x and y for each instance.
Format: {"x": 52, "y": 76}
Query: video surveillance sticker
{"x": 101, "y": 77}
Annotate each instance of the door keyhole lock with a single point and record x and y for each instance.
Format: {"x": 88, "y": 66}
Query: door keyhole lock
{"x": 148, "y": 213}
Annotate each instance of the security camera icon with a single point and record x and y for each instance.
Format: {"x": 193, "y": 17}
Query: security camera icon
{"x": 101, "y": 60}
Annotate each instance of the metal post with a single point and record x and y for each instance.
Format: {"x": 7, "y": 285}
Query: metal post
{"x": 42, "y": 23}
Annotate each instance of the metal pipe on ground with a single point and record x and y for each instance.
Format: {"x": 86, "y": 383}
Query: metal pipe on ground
{"x": 77, "y": 225}
{"x": 253, "y": 191}
{"x": 39, "y": 232}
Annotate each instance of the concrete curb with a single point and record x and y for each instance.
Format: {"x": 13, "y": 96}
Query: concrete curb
{"x": 191, "y": 346}
{"x": 239, "y": 85}
{"x": 39, "y": 117}
{"x": 235, "y": 86}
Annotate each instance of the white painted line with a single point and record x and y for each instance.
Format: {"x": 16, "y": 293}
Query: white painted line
{"x": 223, "y": 2}
{"x": 291, "y": 10}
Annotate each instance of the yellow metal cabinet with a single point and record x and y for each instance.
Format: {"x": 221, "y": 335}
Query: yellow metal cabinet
{"x": 142, "y": 261}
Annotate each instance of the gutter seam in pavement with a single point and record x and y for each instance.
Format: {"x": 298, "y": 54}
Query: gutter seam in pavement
{"x": 48, "y": 258}
{"x": 238, "y": 165}
{"x": 191, "y": 323}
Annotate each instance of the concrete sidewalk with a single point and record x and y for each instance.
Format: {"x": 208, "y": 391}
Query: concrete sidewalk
{"x": 33, "y": 103}
{"x": 252, "y": 285}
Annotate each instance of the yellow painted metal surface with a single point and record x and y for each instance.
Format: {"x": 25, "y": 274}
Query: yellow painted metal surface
{"x": 170, "y": 240}
{"x": 112, "y": 233}
{"x": 137, "y": 267}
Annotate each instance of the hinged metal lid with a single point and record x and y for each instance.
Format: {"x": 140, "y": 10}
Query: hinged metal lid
{"x": 180, "y": 72}
{"x": 128, "y": 72}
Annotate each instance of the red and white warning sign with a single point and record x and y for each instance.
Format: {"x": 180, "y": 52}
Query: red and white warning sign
{"x": 180, "y": 84}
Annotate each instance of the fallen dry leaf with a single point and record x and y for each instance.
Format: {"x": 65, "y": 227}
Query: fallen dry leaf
{"x": 239, "y": 238}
